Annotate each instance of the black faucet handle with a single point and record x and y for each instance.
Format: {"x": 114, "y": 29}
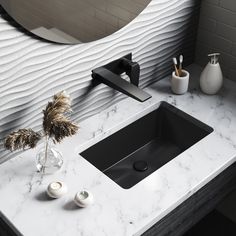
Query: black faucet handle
{"x": 132, "y": 69}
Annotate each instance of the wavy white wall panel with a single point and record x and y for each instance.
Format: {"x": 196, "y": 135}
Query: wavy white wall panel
{"x": 31, "y": 71}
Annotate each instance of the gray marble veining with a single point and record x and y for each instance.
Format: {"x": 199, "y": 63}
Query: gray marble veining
{"x": 117, "y": 211}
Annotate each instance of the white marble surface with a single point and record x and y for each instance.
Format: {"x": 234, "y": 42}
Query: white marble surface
{"x": 117, "y": 211}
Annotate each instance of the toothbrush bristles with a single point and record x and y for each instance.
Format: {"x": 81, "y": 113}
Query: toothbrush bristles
{"x": 175, "y": 61}
{"x": 175, "y": 65}
{"x": 181, "y": 60}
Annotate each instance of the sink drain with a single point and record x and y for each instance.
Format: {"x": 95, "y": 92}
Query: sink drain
{"x": 140, "y": 165}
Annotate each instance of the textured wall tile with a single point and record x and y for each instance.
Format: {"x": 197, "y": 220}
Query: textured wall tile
{"x": 207, "y": 23}
{"x": 226, "y": 31}
{"x": 216, "y": 41}
{"x": 228, "y": 4}
{"x": 218, "y": 13}
{"x": 214, "y": 2}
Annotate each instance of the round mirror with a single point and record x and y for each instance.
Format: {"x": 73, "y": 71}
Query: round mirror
{"x": 73, "y": 21}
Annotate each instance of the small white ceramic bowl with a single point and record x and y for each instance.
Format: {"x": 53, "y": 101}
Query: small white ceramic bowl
{"x": 179, "y": 84}
{"x": 56, "y": 189}
{"x": 83, "y": 198}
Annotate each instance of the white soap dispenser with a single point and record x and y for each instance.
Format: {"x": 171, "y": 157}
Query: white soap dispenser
{"x": 211, "y": 79}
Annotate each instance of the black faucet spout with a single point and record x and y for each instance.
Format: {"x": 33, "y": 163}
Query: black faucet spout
{"x": 110, "y": 75}
{"x": 116, "y": 82}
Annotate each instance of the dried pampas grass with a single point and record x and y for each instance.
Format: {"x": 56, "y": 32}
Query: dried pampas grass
{"x": 22, "y": 139}
{"x": 56, "y": 123}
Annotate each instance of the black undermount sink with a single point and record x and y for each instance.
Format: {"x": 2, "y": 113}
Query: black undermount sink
{"x": 139, "y": 149}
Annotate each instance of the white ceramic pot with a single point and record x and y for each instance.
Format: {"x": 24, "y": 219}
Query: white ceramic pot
{"x": 83, "y": 199}
{"x": 56, "y": 189}
{"x": 179, "y": 84}
{"x": 211, "y": 79}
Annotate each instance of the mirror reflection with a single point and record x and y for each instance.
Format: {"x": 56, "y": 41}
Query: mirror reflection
{"x": 73, "y": 21}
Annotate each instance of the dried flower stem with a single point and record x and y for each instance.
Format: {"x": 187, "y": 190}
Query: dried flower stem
{"x": 46, "y": 153}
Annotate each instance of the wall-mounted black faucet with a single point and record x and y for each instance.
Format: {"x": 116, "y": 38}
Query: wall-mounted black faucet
{"x": 109, "y": 74}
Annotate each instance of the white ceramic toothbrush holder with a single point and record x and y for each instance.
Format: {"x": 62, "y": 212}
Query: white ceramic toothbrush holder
{"x": 179, "y": 84}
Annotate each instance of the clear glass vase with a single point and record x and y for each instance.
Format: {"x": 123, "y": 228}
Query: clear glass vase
{"x": 48, "y": 159}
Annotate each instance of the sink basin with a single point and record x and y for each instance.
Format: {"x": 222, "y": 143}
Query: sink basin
{"x": 139, "y": 149}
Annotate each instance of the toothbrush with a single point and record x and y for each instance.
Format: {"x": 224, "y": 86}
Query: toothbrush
{"x": 175, "y": 65}
{"x": 181, "y": 59}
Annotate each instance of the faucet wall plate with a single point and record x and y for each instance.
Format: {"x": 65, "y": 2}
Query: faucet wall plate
{"x": 121, "y": 66}
{"x": 117, "y": 66}
{"x": 109, "y": 74}
{"x": 114, "y": 66}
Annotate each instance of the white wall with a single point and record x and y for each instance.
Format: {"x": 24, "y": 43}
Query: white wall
{"x": 31, "y": 71}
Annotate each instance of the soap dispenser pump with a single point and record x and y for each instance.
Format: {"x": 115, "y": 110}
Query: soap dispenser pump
{"x": 211, "y": 78}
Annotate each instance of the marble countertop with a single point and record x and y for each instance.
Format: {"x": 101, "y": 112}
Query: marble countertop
{"x": 118, "y": 211}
